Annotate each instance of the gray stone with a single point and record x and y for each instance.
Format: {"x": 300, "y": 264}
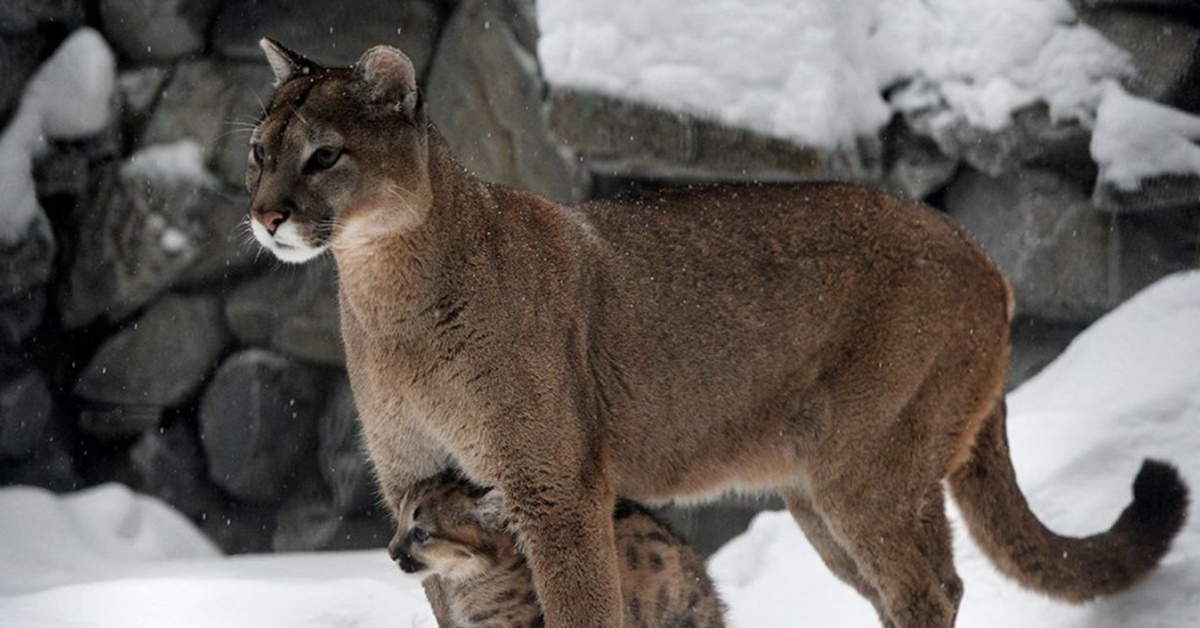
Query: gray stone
{"x": 22, "y": 16}
{"x": 118, "y": 421}
{"x": 292, "y": 310}
{"x": 132, "y": 367}
{"x": 620, "y": 138}
{"x": 341, "y": 455}
{"x": 1032, "y": 138}
{"x": 709, "y": 526}
{"x": 25, "y": 411}
{"x": 307, "y": 519}
{"x": 143, "y": 234}
{"x": 215, "y": 104}
{"x": 25, "y": 267}
{"x": 331, "y": 35}
{"x": 51, "y": 468}
{"x": 139, "y": 90}
{"x": 1035, "y": 344}
{"x": 156, "y": 31}
{"x": 169, "y": 465}
{"x": 1065, "y": 260}
{"x": 485, "y": 95}
{"x": 20, "y": 56}
{"x": 914, "y": 167}
{"x": 1165, "y": 49}
{"x": 257, "y": 421}
{"x": 1158, "y": 193}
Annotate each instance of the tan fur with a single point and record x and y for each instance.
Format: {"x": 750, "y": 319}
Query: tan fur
{"x": 837, "y": 345}
{"x": 487, "y": 583}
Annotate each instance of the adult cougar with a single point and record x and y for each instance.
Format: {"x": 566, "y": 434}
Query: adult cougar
{"x": 841, "y": 347}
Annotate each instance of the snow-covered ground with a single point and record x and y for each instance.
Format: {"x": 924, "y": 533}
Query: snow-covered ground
{"x": 1128, "y": 387}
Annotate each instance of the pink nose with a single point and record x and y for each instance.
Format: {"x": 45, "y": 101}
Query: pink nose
{"x": 271, "y": 219}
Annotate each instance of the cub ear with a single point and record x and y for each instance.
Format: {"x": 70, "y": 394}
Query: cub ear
{"x": 489, "y": 508}
{"x": 286, "y": 64}
{"x": 390, "y": 78}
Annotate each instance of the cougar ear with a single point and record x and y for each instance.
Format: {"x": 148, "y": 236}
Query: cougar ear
{"x": 286, "y": 64}
{"x": 390, "y": 78}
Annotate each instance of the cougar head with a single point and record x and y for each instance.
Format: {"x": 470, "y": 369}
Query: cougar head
{"x": 340, "y": 155}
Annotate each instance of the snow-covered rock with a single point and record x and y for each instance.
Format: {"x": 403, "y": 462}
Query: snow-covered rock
{"x": 68, "y": 98}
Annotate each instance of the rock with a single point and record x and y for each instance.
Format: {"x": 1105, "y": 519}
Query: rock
{"x": 132, "y": 368}
{"x": 1165, "y": 50}
{"x": 22, "y": 16}
{"x": 485, "y": 95}
{"x": 294, "y": 311}
{"x": 25, "y": 267}
{"x": 25, "y": 411}
{"x": 214, "y": 104}
{"x": 156, "y": 31}
{"x": 620, "y": 138}
{"x": 1035, "y": 344}
{"x": 139, "y": 90}
{"x": 914, "y": 167}
{"x": 257, "y": 421}
{"x": 51, "y": 468}
{"x": 148, "y": 230}
{"x": 330, "y": 37}
{"x": 1158, "y": 193}
{"x": 342, "y": 456}
{"x": 118, "y": 421}
{"x": 20, "y": 56}
{"x": 306, "y": 519}
{"x": 1032, "y": 138}
{"x": 169, "y": 465}
{"x": 1066, "y": 261}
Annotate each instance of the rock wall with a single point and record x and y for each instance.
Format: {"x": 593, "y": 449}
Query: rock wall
{"x": 143, "y": 340}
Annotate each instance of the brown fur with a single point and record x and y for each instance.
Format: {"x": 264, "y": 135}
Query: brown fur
{"x": 839, "y": 346}
{"x": 487, "y": 583}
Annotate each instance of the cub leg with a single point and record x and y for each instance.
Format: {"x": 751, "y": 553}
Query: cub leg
{"x": 832, "y": 553}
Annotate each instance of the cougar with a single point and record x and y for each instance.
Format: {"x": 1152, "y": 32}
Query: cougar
{"x": 840, "y": 347}
{"x": 451, "y": 529}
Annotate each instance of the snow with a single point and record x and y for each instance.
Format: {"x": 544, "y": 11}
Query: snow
{"x": 1136, "y": 139}
{"x": 826, "y": 72}
{"x": 1128, "y": 387}
{"x": 68, "y": 98}
{"x": 174, "y": 162}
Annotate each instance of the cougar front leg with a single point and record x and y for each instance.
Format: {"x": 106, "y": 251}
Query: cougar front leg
{"x": 559, "y": 501}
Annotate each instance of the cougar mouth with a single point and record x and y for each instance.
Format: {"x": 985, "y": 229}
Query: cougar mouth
{"x": 287, "y": 243}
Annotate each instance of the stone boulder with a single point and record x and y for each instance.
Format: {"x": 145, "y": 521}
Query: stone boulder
{"x": 215, "y": 104}
{"x": 25, "y": 411}
{"x": 1164, "y": 48}
{"x": 342, "y": 455}
{"x": 156, "y": 31}
{"x": 257, "y": 422}
{"x": 485, "y": 95}
{"x": 1066, "y": 261}
{"x": 332, "y": 35}
{"x": 169, "y": 464}
{"x": 159, "y": 221}
{"x": 293, "y": 310}
{"x": 620, "y": 138}
{"x": 25, "y": 267}
{"x": 132, "y": 369}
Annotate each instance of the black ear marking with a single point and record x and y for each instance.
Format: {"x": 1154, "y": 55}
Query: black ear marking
{"x": 285, "y": 64}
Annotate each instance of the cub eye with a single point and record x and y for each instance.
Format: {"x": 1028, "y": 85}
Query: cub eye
{"x": 420, "y": 535}
{"x": 323, "y": 158}
{"x": 259, "y": 154}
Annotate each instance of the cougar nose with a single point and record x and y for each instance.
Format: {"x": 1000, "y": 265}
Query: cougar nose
{"x": 271, "y": 219}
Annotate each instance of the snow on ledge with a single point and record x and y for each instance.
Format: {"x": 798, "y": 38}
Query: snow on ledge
{"x": 815, "y": 71}
{"x": 1136, "y": 139}
{"x": 69, "y": 97}
{"x": 175, "y": 162}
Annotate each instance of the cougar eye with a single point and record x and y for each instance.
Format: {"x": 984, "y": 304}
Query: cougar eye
{"x": 259, "y": 154}
{"x": 323, "y": 158}
{"x": 420, "y": 535}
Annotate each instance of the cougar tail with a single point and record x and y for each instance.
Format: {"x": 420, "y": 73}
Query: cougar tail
{"x": 1067, "y": 568}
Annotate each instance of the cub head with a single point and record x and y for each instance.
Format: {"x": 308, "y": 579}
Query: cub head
{"x": 339, "y": 155}
{"x": 450, "y": 528}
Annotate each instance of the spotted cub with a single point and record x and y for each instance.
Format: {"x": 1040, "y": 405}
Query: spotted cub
{"x": 452, "y": 529}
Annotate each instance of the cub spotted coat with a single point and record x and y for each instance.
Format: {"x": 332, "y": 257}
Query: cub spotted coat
{"x": 450, "y": 529}
{"x": 840, "y": 347}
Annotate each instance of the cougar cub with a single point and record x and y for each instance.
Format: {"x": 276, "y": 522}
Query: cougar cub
{"x": 452, "y": 529}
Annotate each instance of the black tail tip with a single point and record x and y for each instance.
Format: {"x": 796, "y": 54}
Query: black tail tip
{"x": 1160, "y": 495}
